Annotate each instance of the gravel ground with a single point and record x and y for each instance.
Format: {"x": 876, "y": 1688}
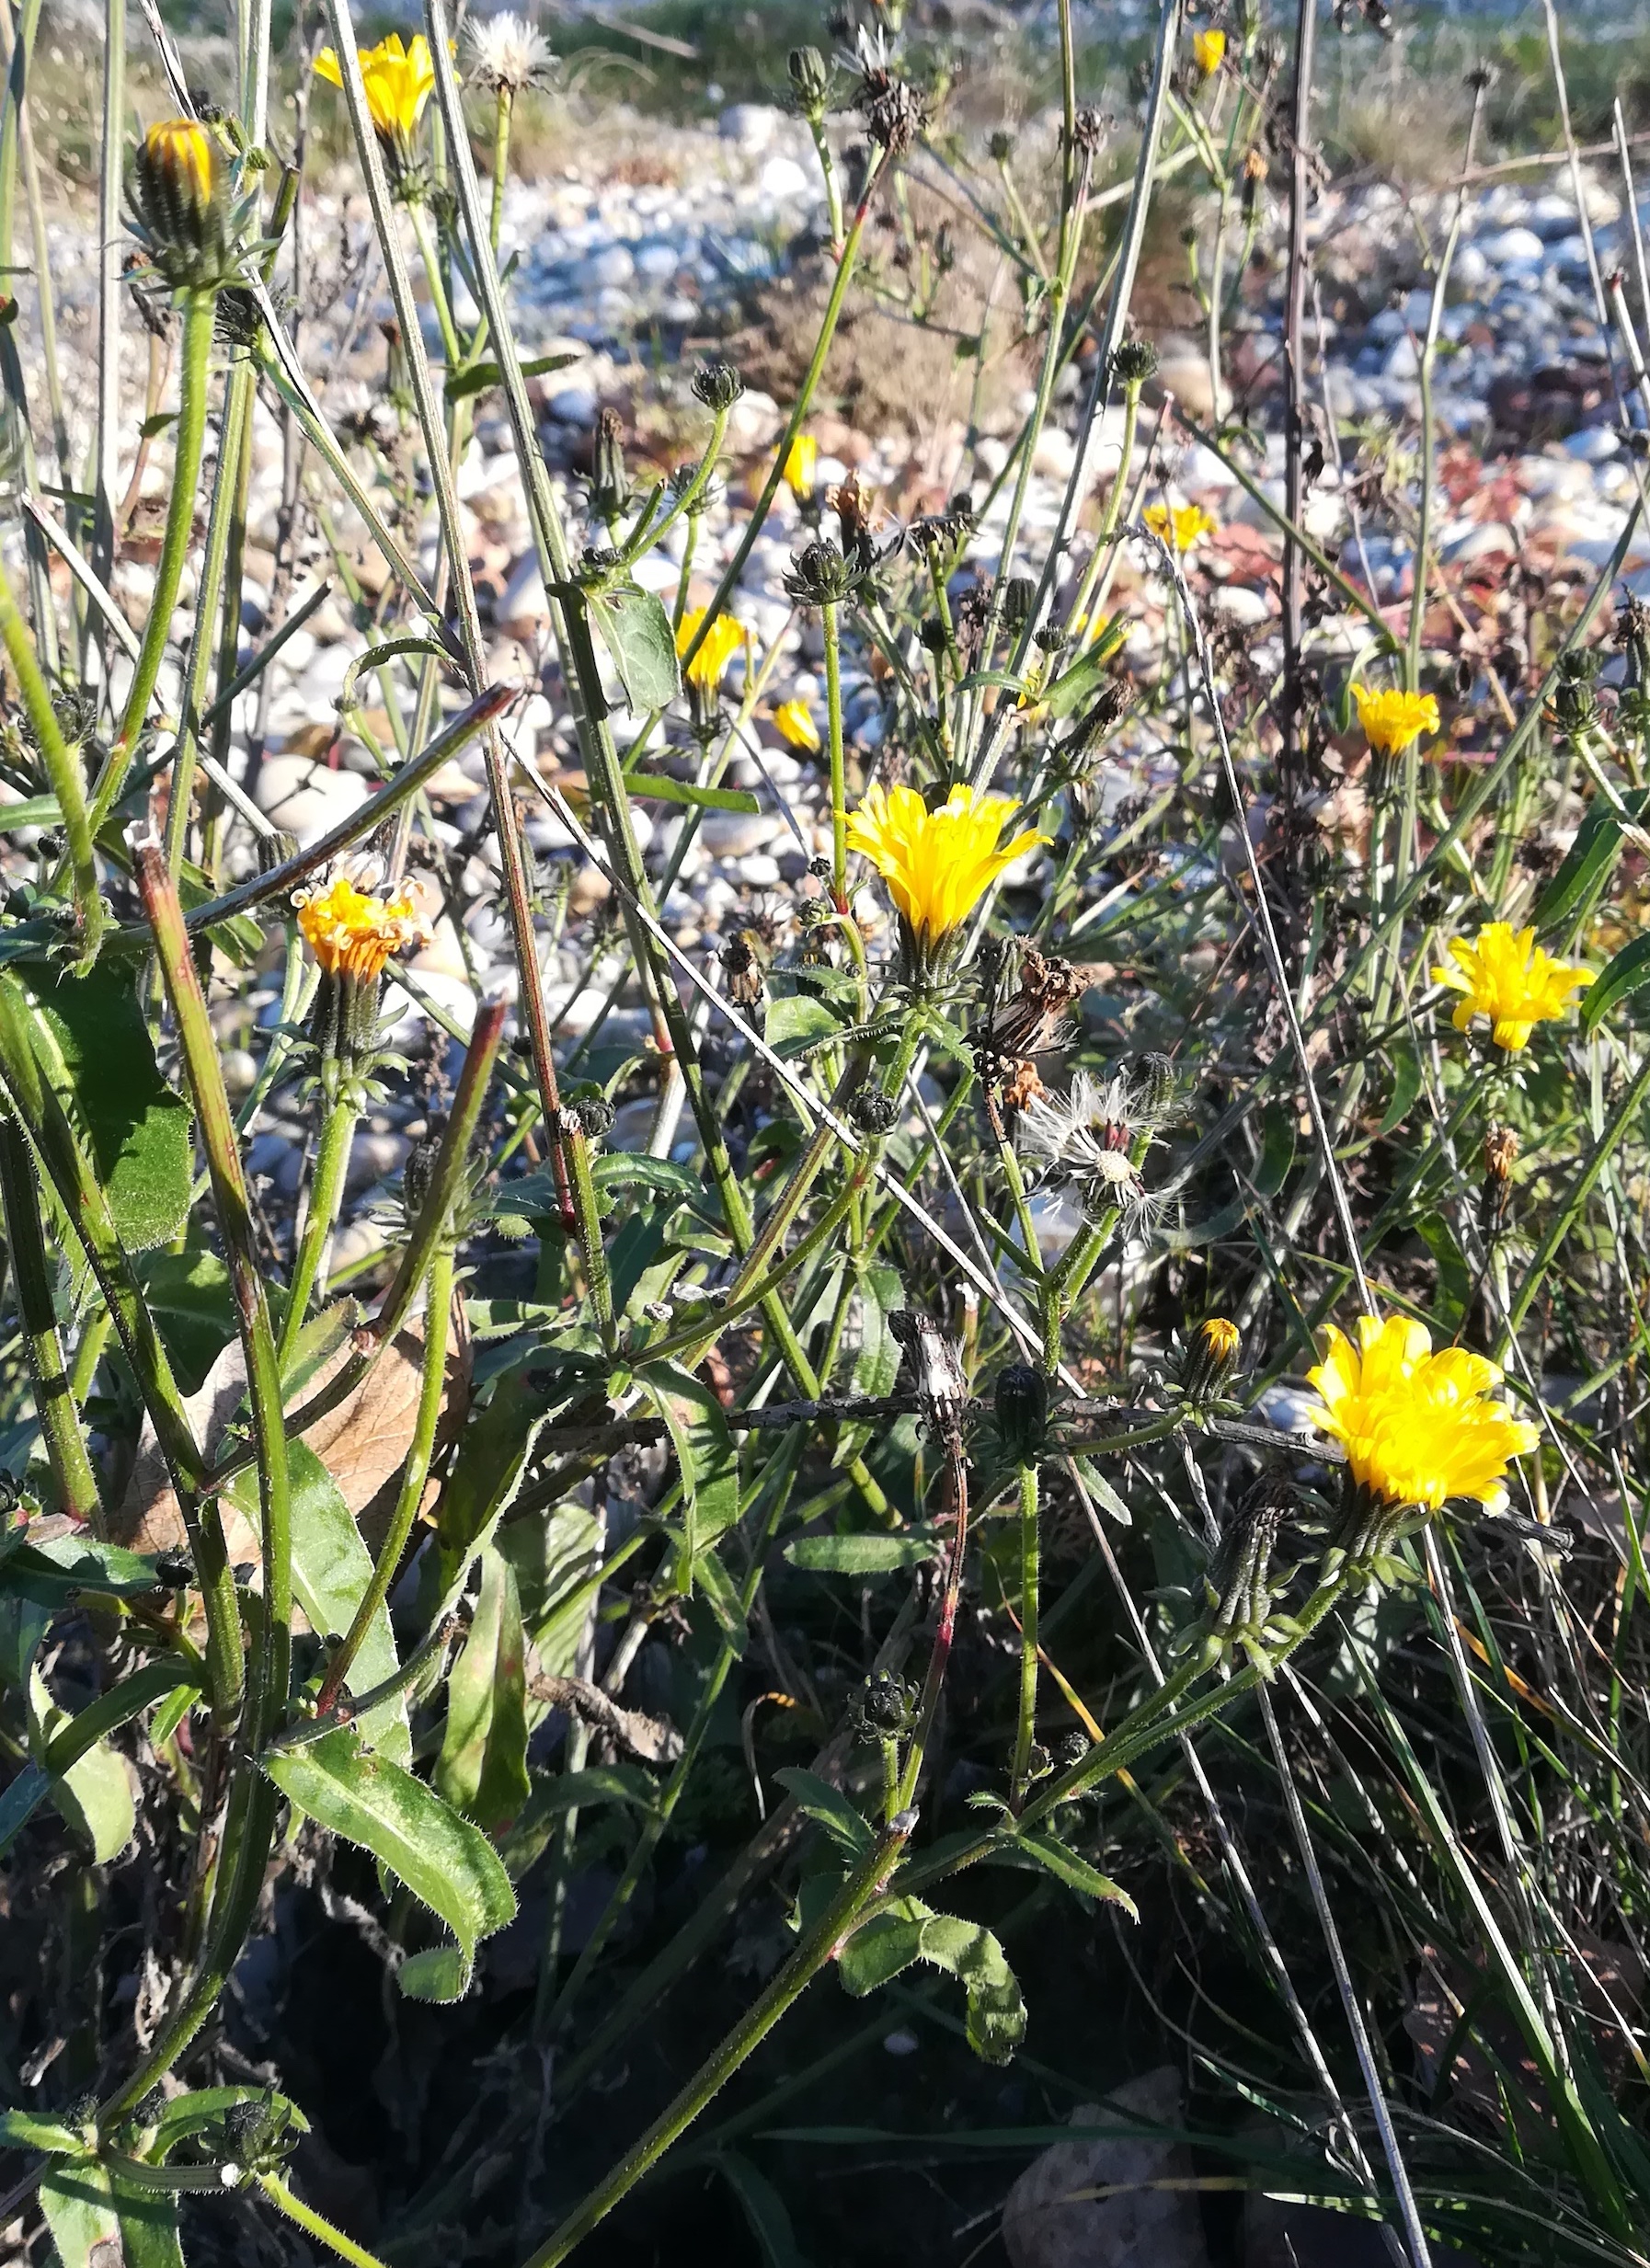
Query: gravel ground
{"x": 637, "y": 267}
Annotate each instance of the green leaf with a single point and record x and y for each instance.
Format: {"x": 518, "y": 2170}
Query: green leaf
{"x": 21, "y": 2130}
{"x": 1075, "y": 1872}
{"x": 95, "y": 1052}
{"x": 188, "y": 1293}
{"x": 796, "y": 1020}
{"x": 158, "y": 424}
{"x": 1587, "y": 865}
{"x": 553, "y": 1559}
{"x": 331, "y": 1569}
{"x": 148, "y": 2220}
{"x": 21, "y": 1798}
{"x": 629, "y": 1168}
{"x": 905, "y": 1931}
{"x": 94, "y": 1796}
{"x": 205, "y": 2108}
{"x": 659, "y": 787}
{"x": 870, "y": 1554}
{"x": 478, "y": 376}
{"x": 1082, "y": 682}
{"x": 1102, "y": 1490}
{"x": 636, "y": 630}
{"x": 482, "y": 1771}
{"x": 1622, "y": 977}
{"x": 882, "y": 1947}
{"x": 1454, "y": 1277}
{"x": 1406, "y": 1085}
{"x": 726, "y": 1604}
{"x": 706, "y": 1457}
{"x": 78, "y": 2202}
{"x": 764, "y": 2208}
{"x": 492, "y": 1454}
{"x": 996, "y": 2019}
{"x": 818, "y": 1799}
{"x": 443, "y": 1860}
{"x": 52, "y": 1570}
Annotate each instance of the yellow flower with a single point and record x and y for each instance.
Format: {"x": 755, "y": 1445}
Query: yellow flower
{"x": 1181, "y": 525}
{"x": 801, "y": 460}
{"x": 937, "y": 864}
{"x": 1417, "y": 1427}
{"x": 182, "y": 196}
{"x": 1220, "y": 1337}
{"x": 186, "y": 154}
{"x": 399, "y": 82}
{"x": 722, "y": 641}
{"x": 1391, "y": 720}
{"x": 1506, "y": 976}
{"x": 352, "y": 934}
{"x": 1208, "y": 48}
{"x": 795, "y": 721}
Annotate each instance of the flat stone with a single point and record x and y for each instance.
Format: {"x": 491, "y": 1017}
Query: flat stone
{"x": 300, "y": 794}
{"x": 1514, "y": 247}
{"x": 1047, "y": 2223}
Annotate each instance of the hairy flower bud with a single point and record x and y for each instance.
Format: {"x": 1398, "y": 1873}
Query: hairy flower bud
{"x": 873, "y": 1111}
{"x": 810, "y": 83}
{"x": 610, "y": 484}
{"x": 1209, "y": 1359}
{"x": 1022, "y": 1411}
{"x": 718, "y": 385}
{"x": 182, "y": 197}
{"x": 819, "y": 575}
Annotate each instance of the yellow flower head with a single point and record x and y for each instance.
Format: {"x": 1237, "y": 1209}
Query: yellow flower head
{"x": 801, "y": 460}
{"x": 1391, "y": 720}
{"x": 1180, "y": 525}
{"x": 1219, "y": 1338}
{"x": 352, "y": 934}
{"x": 399, "y": 82}
{"x": 722, "y": 641}
{"x": 1209, "y": 49}
{"x": 937, "y": 864}
{"x": 1505, "y": 975}
{"x": 182, "y": 197}
{"x": 1417, "y": 1427}
{"x": 795, "y": 725}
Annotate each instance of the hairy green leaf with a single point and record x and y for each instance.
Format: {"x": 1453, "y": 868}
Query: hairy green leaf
{"x": 482, "y": 1771}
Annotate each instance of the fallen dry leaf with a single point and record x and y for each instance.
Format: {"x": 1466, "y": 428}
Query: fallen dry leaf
{"x": 362, "y": 1443}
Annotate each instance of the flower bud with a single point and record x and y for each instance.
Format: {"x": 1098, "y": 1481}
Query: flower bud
{"x": 1209, "y": 1359}
{"x": 718, "y": 385}
{"x": 1019, "y": 597}
{"x": 1002, "y": 148}
{"x": 181, "y": 198}
{"x": 873, "y": 1111}
{"x": 610, "y": 484}
{"x": 810, "y": 83}
{"x": 1022, "y": 1410}
{"x": 819, "y": 575}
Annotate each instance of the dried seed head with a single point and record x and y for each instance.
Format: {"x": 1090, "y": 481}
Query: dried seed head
{"x": 894, "y": 112}
{"x": 1500, "y": 1153}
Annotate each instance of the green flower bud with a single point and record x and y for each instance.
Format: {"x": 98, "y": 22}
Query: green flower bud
{"x": 1022, "y": 1411}
{"x": 717, "y": 384}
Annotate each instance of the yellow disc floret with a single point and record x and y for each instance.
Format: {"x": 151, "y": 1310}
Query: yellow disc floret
{"x": 1505, "y": 975}
{"x": 1419, "y": 1428}
{"x": 1391, "y": 720}
{"x": 352, "y": 934}
{"x": 937, "y": 864}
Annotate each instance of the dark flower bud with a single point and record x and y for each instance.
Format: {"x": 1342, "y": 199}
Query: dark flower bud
{"x": 1073, "y": 1751}
{"x": 609, "y": 485}
{"x": 1002, "y": 148}
{"x": 819, "y": 575}
{"x": 1209, "y": 1359}
{"x": 873, "y": 1111}
{"x": 1022, "y": 1409}
{"x": 595, "y": 1115}
{"x": 1154, "y": 1085}
{"x": 1134, "y": 362}
{"x": 1575, "y": 698}
{"x": 417, "y": 1175}
{"x": 718, "y": 385}
{"x": 1019, "y": 596}
{"x": 931, "y": 633}
{"x": 886, "y": 1705}
{"x": 810, "y": 83}
{"x": 1089, "y": 130}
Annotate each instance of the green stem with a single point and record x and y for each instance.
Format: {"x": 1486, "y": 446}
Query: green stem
{"x": 36, "y": 1311}
{"x": 326, "y": 1189}
{"x": 839, "y": 788}
{"x": 190, "y": 434}
{"x": 451, "y": 345}
{"x": 501, "y": 164}
{"x": 1025, "y": 1732}
{"x": 862, "y": 1885}
{"x": 414, "y": 1474}
{"x": 575, "y": 1151}
{"x": 63, "y": 770}
{"x": 233, "y": 453}
{"x": 314, "y": 2225}
{"x": 266, "y": 1695}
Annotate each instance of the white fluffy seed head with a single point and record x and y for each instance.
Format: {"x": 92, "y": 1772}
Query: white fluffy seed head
{"x": 507, "y": 53}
